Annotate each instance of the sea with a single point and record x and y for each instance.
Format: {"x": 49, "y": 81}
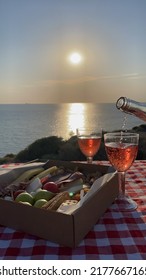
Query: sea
{"x": 22, "y": 124}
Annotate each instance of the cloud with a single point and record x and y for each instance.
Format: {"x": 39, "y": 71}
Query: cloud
{"x": 121, "y": 76}
{"x": 80, "y": 80}
{"x": 69, "y": 81}
{"x": 90, "y": 79}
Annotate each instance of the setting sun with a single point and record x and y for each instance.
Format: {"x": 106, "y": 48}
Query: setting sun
{"x": 75, "y": 58}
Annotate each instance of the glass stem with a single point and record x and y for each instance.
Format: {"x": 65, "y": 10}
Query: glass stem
{"x": 121, "y": 183}
{"x": 89, "y": 159}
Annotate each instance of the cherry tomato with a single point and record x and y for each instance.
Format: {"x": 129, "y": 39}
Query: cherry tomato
{"x": 51, "y": 186}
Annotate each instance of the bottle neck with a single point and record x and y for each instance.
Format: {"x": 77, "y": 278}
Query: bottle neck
{"x": 132, "y": 107}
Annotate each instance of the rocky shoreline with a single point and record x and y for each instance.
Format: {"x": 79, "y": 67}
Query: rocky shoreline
{"x": 57, "y": 148}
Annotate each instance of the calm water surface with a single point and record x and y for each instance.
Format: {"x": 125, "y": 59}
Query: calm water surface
{"x": 20, "y": 125}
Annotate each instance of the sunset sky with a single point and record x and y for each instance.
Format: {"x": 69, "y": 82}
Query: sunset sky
{"x": 37, "y": 38}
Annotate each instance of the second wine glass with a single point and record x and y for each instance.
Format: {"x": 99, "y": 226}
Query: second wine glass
{"x": 121, "y": 149}
{"x": 89, "y": 142}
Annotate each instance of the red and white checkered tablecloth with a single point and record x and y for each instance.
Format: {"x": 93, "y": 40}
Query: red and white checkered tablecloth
{"x": 116, "y": 236}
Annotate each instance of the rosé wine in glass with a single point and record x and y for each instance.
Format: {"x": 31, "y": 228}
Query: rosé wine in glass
{"x": 121, "y": 149}
{"x": 89, "y": 143}
{"x": 120, "y": 155}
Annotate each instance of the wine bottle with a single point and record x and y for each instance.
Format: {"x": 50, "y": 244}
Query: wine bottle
{"x": 132, "y": 107}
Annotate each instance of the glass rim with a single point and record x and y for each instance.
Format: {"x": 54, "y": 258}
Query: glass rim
{"x": 88, "y": 129}
{"x": 82, "y": 131}
{"x": 125, "y": 134}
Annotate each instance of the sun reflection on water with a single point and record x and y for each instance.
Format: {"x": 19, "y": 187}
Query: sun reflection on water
{"x": 76, "y": 117}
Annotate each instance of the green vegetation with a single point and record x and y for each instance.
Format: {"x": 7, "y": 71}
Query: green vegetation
{"x": 54, "y": 147}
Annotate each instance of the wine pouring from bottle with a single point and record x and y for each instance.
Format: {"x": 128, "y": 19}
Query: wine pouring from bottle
{"x": 132, "y": 107}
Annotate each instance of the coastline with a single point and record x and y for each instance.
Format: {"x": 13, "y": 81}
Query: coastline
{"x": 22, "y": 124}
{"x": 57, "y": 148}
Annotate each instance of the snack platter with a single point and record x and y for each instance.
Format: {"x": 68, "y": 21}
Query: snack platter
{"x": 73, "y": 209}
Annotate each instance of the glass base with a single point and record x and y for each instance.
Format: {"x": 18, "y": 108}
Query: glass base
{"x": 89, "y": 159}
{"x": 124, "y": 203}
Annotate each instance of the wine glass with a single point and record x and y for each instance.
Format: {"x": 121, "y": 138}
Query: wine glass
{"x": 121, "y": 149}
{"x": 89, "y": 142}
